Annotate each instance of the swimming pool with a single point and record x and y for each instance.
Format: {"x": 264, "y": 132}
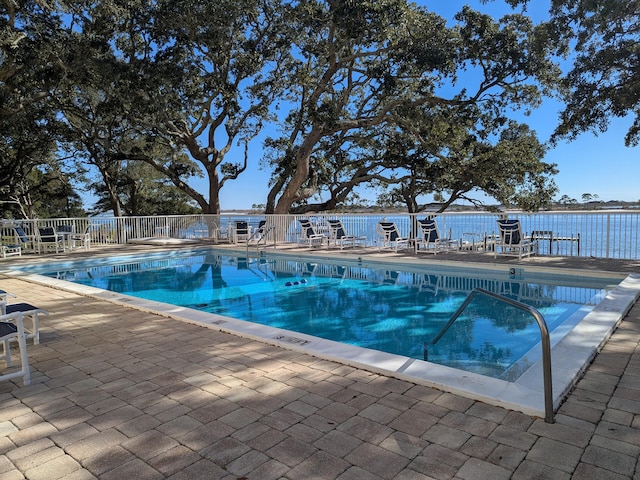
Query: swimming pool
{"x": 387, "y": 313}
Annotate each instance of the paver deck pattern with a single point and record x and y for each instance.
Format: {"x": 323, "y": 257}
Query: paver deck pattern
{"x": 117, "y": 393}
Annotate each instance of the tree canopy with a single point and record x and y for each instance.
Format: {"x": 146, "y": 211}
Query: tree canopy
{"x": 355, "y": 80}
{"x": 378, "y": 93}
{"x": 604, "y": 81}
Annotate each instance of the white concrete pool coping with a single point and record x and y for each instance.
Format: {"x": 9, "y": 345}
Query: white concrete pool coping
{"x": 570, "y": 355}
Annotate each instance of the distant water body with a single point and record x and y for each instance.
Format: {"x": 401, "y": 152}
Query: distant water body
{"x": 602, "y": 234}
{"x": 599, "y": 234}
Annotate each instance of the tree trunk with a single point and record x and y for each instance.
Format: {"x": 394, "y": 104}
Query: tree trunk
{"x": 213, "y": 207}
{"x": 116, "y": 207}
{"x": 273, "y": 194}
{"x": 301, "y": 174}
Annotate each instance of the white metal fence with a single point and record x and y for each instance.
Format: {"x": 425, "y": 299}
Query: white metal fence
{"x": 600, "y": 234}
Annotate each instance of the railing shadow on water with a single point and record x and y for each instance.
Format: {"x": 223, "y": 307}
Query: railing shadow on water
{"x": 598, "y": 234}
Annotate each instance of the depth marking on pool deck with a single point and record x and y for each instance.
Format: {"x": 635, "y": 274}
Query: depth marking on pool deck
{"x": 292, "y": 340}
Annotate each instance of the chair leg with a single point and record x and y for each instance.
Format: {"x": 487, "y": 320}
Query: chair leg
{"x": 21, "y": 338}
{"x": 24, "y": 359}
{"x": 6, "y": 352}
{"x": 35, "y": 332}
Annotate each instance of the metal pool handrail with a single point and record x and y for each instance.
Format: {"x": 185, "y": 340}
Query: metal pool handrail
{"x": 544, "y": 333}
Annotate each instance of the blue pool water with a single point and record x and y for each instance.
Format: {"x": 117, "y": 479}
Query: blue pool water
{"x": 373, "y": 305}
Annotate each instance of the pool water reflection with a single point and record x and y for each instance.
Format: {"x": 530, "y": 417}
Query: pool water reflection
{"x": 367, "y": 305}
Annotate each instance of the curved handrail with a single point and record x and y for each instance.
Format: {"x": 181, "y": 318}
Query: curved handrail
{"x": 544, "y": 333}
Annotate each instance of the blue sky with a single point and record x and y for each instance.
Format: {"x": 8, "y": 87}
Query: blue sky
{"x": 596, "y": 164}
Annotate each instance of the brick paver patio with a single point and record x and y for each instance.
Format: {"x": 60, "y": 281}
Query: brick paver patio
{"x": 118, "y": 393}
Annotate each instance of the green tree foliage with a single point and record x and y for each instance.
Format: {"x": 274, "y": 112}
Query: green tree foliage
{"x": 451, "y": 159}
{"x": 43, "y": 193}
{"x": 589, "y": 197}
{"x": 141, "y": 191}
{"x": 29, "y": 56}
{"x": 361, "y": 66}
{"x": 567, "y": 201}
{"x": 105, "y": 105}
{"x": 184, "y": 86}
{"x": 604, "y": 81}
{"x": 56, "y": 196}
{"x": 352, "y": 67}
{"x": 24, "y": 147}
{"x": 100, "y": 131}
{"x": 79, "y": 77}
{"x": 216, "y": 72}
{"x": 29, "y": 70}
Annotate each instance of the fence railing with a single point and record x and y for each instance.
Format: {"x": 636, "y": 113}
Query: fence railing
{"x": 600, "y": 234}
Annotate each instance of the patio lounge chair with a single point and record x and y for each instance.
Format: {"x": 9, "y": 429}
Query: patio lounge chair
{"x": 4, "y": 295}
{"x": 308, "y": 235}
{"x": 389, "y": 237}
{"x": 431, "y": 241}
{"x": 220, "y": 233}
{"x": 82, "y": 239}
{"x": 241, "y": 232}
{"x": 339, "y": 238}
{"x": 10, "y": 250}
{"x": 12, "y": 328}
{"x": 27, "y": 310}
{"x": 50, "y": 240}
{"x": 511, "y": 241}
{"x": 26, "y": 241}
{"x": 259, "y": 234}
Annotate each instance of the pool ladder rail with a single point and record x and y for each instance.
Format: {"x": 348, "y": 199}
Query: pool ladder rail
{"x": 544, "y": 333}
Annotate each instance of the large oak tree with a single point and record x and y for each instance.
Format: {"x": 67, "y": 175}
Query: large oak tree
{"x": 360, "y": 66}
{"x": 216, "y": 71}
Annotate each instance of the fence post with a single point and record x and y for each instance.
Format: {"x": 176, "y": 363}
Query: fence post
{"x": 608, "y": 234}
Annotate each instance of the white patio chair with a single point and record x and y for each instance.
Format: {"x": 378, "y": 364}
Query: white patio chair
{"x": 308, "y": 235}
{"x": 4, "y": 295}
{"x": 12, "y": 328}
{"x": 48, "y": 239}
{"x": 241, "y": 232}
{"x": 11, "y": 250}
{"x": 389, "y": 237}
{"x": 431, "y": 241}
{"x": 511, "y": 241}
{"x": 27, "y": 310}
{"x": 82, "y": 239}
{"x": 26, "y": 241}
{"x": 339, "y": 237}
